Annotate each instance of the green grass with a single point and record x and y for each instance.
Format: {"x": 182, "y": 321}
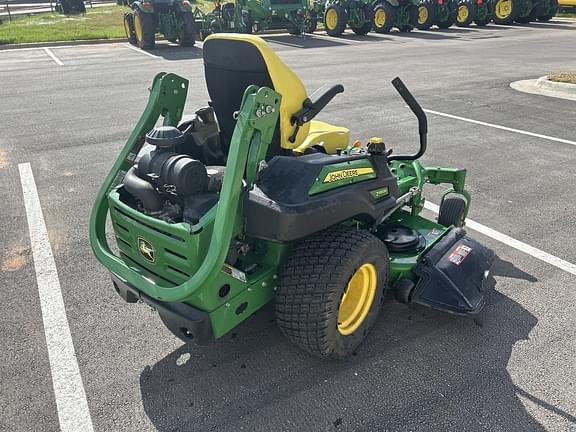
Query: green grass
{"x": 98, "y": 23}
{"x": 567, "y": 13}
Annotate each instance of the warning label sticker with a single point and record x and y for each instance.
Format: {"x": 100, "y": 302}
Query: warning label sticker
{"x": 234, "y": 272}
{"x": 459, "y": 254}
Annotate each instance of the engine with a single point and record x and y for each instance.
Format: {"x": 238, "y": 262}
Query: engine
{"x": 173, "y": 182}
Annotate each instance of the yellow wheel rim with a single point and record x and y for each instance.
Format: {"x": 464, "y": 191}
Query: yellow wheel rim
{"x": 331, "y": 19}
{"x": 357, "y": 299}
{"x": 380, "y": 18}
{"x": 138, "y": 27}
{"x": 126, "y": 28}
{"x": 422, "y": 14}
{"x": 463, "y": 13}
{"x": 503, "y": 8}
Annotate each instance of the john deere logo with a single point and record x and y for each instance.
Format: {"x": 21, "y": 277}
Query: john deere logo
{"x": 146, "y": 250}
{"x": 346, "y": 174}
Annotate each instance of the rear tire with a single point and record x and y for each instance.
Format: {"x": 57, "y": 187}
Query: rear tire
{"x": 552, "y": 11}
{"x": 188, "y": 36}
{"x": 367, "y": 26}
{"x": 426, "y": 15}
{"x": 364, "y": 30}
{"x": 452, "y": 212}
{"x": 448, "y": 23}
{"x": 145, "y": 29}
{"x": 483, "y": 16}
{"x": 331, "y": 290}
{"x": 335, "y": 20}
{"x": 384, "y": 17}
{"x": 506, "y": 11}
{"x": 466, "y": 13}
{"x": 413, "y": 19}
{"x": 482, "y": 22}
{"x": 310, "y": 22}
{"x": 129, "y": 28}
{"x": 532, "y": 15}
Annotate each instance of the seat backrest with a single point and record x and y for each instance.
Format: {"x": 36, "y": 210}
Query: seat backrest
{"x": 233, "y": 62}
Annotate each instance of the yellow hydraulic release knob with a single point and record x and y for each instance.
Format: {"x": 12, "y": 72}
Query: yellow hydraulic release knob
{"x": 376, "y": 146}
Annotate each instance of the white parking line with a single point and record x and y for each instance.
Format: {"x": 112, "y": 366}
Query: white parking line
{"x": 71, "y": 403}
{"x": 51, "y": 54}
{"x": 341, "y": 39}
{"x": 283, "y": 43}
{"x": 512, "y": 242}
{"x": 495, "y": 126}
{"x": 141, "y": 51}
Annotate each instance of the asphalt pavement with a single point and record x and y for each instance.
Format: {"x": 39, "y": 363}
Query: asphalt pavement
{"x": 69, "y": 110}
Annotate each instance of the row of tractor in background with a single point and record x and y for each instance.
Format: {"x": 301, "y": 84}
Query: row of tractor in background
{"x": 180, "y": 22}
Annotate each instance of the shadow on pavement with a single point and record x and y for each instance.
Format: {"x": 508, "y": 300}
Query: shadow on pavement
{"x": 550, "y": 25}
{"x": 425, "y": 34}
{"x": 454, "y": 30}
{"x": 419, "y": 370}
{"x": 322, "y": 40}
{"x": 169, "y": 51}
{"x": 307, "y": 41}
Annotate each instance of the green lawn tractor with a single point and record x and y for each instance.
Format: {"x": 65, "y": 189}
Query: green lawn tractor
{"x": 70, "y": 7}
{"x": 524, "y": 11}
{"x": 400, "y": 14}
{"x": 251, "y": 200}
{"x": 479, "y": 12}
{"x": 441, "y": 13}
{"x": 357, "y": 14}
{"x": 248, "y": 16}
{"x": 172, "y": 18}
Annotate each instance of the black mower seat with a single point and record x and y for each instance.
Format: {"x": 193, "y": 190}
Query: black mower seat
{"x": 232, "y": 62}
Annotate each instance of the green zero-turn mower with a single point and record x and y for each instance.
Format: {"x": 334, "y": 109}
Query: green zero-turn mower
{"x": 401, "y": 14}
{"x": 441, "y": 13}
{"x": 249, "y": 16}
{"x": 354, "y": 13}
{"x": 243, "y": 204}
{"x": 173, "y": 18}
{"x": 70, "y": 7}
{"x": 524, "y": 11}
{"x": 479, "y": 12}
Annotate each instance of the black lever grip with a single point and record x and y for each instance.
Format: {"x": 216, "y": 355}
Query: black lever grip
{"x": 420, "y": 115}
{"x": 320, "y": 98}
{"x": 413, "y": 104}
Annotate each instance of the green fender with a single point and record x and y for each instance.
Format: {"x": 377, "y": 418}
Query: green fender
{"x": 256, "y": 9}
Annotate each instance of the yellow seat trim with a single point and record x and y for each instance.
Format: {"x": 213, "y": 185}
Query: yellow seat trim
{"x": 323, "y": 134}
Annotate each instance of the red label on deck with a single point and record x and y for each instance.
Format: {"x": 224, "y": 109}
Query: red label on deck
{"x": 459, "y": 254}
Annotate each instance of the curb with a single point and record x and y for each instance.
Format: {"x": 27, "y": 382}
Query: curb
{"x": 545, "y": 83}
{"x": 61, "y": 43}
{"x": 543, "y": 87}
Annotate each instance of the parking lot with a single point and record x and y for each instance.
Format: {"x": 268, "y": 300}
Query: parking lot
{"x": 67, "y": 111}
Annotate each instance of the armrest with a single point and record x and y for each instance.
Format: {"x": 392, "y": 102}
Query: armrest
{"x": 315, "y": 103}
{"x": 312, "y": 106}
